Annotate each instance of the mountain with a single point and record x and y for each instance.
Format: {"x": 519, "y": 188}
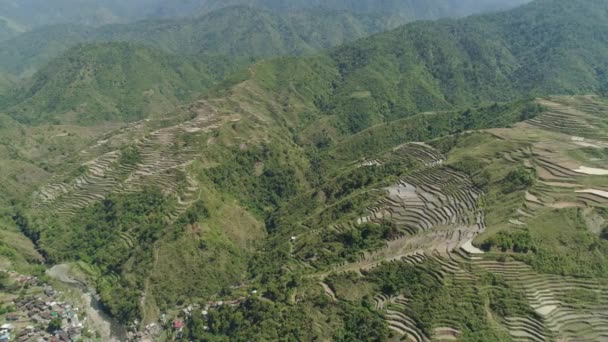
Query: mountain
{"x": 35, "y": 13}
{"x": 8, "y": 29}
{"x": 420, "y": 184}
{"x": 246, "y": 31}
{"x": 410, "y": 9}
{"x": 6, "y": 82}
{"x": 298, "y": 29}
{"x": 111, "y": 81}
{"x": 228, "y": 31}
{"x": 529, "y": 51}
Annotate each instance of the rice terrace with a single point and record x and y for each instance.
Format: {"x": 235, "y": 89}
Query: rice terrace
{"x": 291, "y": 170}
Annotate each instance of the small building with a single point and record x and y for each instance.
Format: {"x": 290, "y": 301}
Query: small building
{"x": 178, "y": 325}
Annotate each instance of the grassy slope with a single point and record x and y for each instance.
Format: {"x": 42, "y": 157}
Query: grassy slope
{"x": 6, "y": 83}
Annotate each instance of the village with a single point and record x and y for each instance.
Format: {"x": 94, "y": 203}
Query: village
{"x": 172, "y": 329}
{"x": 36, "y": 312}
{"x": 33, "y": 310}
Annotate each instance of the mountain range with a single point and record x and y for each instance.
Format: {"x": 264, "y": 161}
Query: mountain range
{"x": 34, "y": 13}
{"x": 295, "y": 30}
{"x": 314, "y": 171}
{"x": 418, "y": 67}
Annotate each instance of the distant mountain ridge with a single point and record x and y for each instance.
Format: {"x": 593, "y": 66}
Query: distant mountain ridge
{"x": 8, "y": 29}
{"x": 233, "y": 31}
{"x": 546, "y": 47}
{"x": 410, "y": 9}
{"x": 35, "y": 13}
{"x": 236, "y": 27}
{"x": 534, "y": 50}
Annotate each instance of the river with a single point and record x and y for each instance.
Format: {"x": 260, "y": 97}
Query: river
{"x": 97, "y": 319}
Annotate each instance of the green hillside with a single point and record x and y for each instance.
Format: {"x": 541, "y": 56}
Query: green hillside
{"x": 6, "y": 82}
{"x": 297, "y": 29}
{"x": 34, "y": 13}
{"x": 454, "y": 64}
{"x": 112, "y": 81}
{"x": 24, "y": 55}
{"x": 258, "y": 34}
{"x": 442, "y": 181}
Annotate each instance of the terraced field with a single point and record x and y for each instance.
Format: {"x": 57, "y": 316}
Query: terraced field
{"x": 439, "y": 213}
{"x": 160, "y": 158}
{"x": 570, "y": 116}
{"x": 434, "y": 209}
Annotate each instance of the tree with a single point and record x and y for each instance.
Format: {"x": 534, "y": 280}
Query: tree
{"x": 54, "y": 325}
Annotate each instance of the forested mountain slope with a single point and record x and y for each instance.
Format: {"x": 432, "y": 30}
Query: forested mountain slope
{"x": 290, "y": 28}
{"x": 246, "y": 31}
{"x": 112, "y": 82}
{"x": 528, "y": 51}
{"x": 234, "y": 31}
{"x": 408, "y": 186}
{"x": 34, "y": 13}
{"x": 6, "y": 82}
{"x": 410, "y": 9}
{"x": 547, "y": 47}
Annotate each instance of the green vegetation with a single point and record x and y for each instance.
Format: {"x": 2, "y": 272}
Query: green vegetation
{"x": 111, "y": 82}
{"x": 451, "y": 64}
{"x": 564, "y": 245}
{"x": 518, "y": 242}
{"x": 328, "y": 197}
{"x": 419, "y": 127}
{"x": 430, "y": 302}
{"x": 129, "y": 155}
{"x": 257, "y": 176}
{"x": 364, "y": 237}
{"x": 103, "y": 235}
{"x": 266, "y": 28}
{"x": 259, "y": 34}
{"x": 54, "y": 325}
{"x": 519, "y": 179}
{"x": 253, "y": 319}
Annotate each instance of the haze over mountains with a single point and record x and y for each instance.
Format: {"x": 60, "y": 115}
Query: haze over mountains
{"x": 33, "y": 13}
{"x": 234, "y": 31}
{"x": 418, "y": 67}
{"x": 296, "y": 28}
{"x": 302, "y": 170}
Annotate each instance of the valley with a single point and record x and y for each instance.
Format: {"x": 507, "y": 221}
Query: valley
{"x": 440, "y": 181}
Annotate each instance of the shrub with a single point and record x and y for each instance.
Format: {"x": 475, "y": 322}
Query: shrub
{"x": 518, "y": 179}
{"x": 519, "y": 242}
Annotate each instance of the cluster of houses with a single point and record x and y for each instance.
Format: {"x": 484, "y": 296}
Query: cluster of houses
{"x": 150, "y": 331}
{"x": 147, "y": 333}
{"x": 30, "y": 320}
{"x": 40, "y": 312}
